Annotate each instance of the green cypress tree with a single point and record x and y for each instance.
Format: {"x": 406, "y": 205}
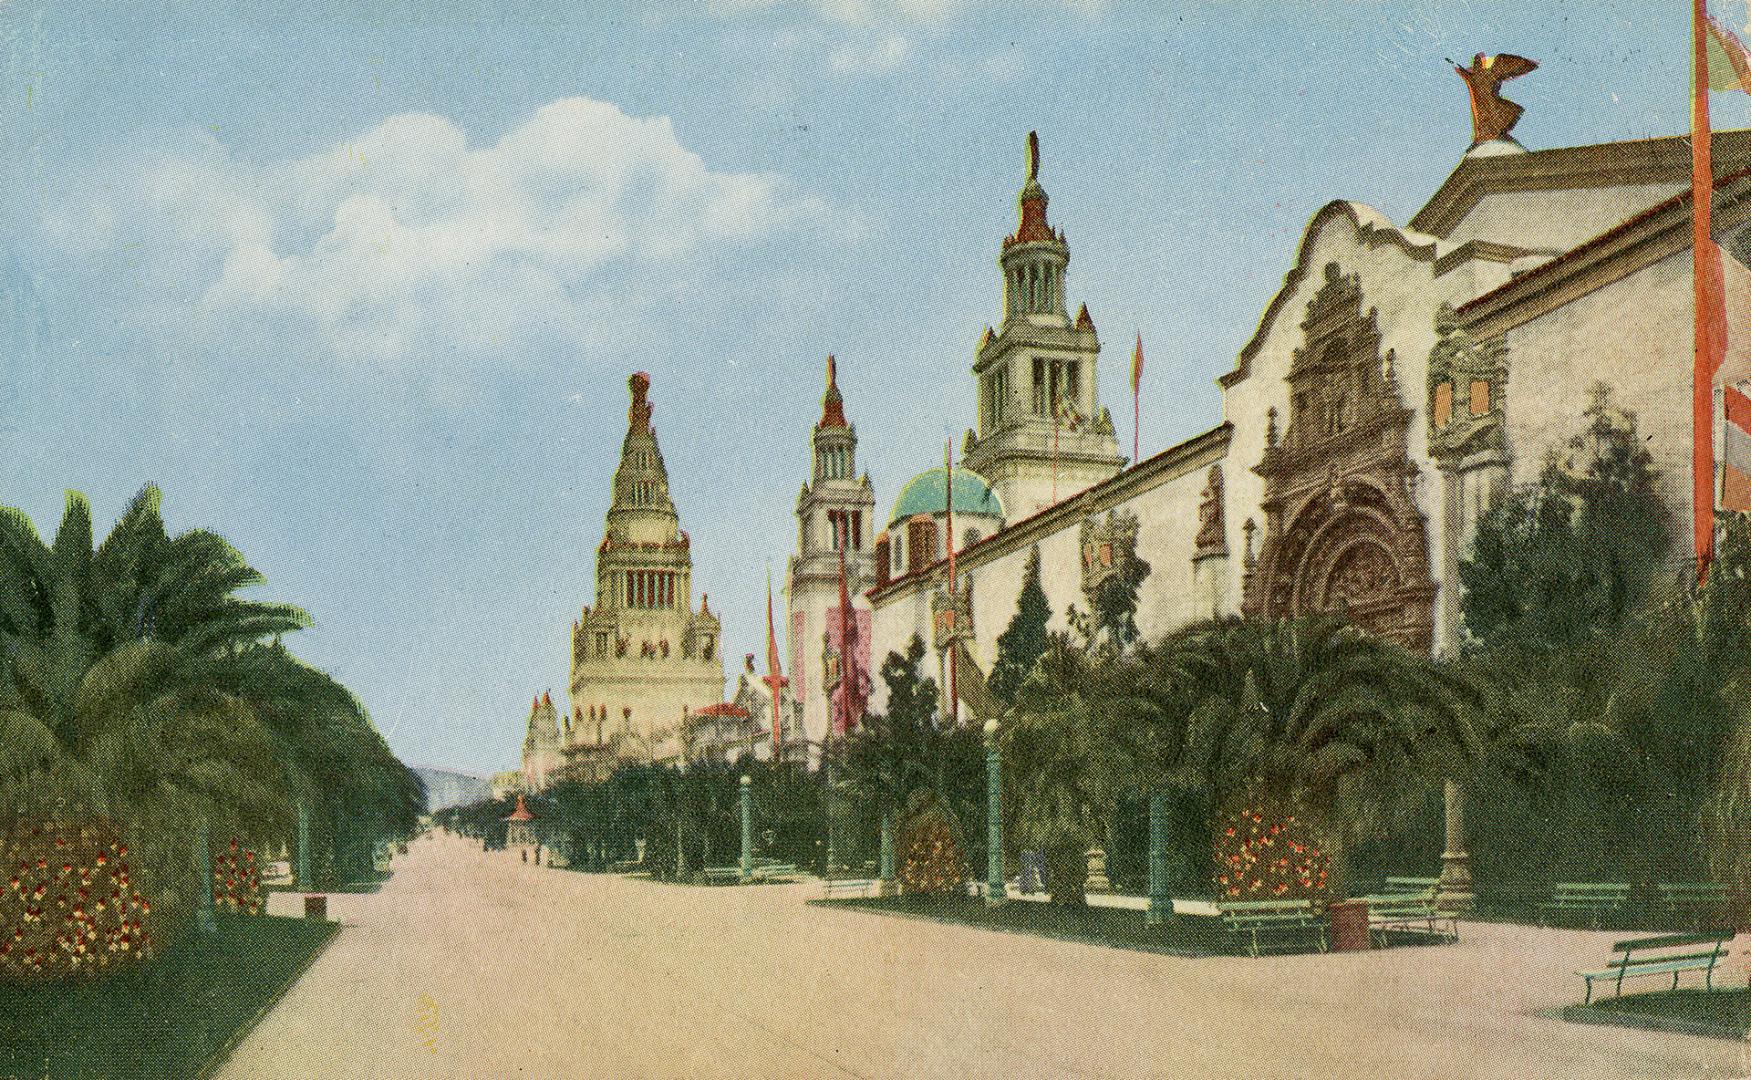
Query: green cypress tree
{"x": 1024, "y": 641}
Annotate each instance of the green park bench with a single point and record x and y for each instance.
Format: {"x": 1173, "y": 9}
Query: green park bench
{"x": 1411, "y": 913}
{"x": 831, "y": 887}
{"x": 1263, "y": 923}
{"x": 1593, "y": 898}
{"x": 1699, "y": 901}
{"x": 722, "y": 875}
{"x": 1660, "y": 956}
{"x": 626, "y": 866}
{"x": 772, "y": 871}
{"x": 1407, "y": 886}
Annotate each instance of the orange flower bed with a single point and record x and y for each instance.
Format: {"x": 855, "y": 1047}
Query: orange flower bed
{"x": 68, "y": 902}
{"x": 1261, "y": 855}
{"x": 237, "y": 881}
{"x": 931, "y": 860}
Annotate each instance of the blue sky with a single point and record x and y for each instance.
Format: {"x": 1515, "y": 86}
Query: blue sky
{"x": 360, "y": 284}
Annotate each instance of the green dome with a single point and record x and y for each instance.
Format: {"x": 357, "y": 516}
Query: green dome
{"x": 926, "y": 493}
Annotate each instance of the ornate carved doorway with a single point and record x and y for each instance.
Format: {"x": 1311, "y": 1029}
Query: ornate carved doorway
{"x": 1342, "y": 529}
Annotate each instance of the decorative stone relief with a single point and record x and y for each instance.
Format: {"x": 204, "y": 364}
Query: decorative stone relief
{"x": 1342, "y": 530}
{"x": 1212, "y": 538}
{"x": 1467, "y": 382}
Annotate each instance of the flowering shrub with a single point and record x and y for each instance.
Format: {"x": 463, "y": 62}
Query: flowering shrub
{"x": 931, "y": 859}
{"x": 1268, "y": 855}
{"x": 237, "y": 881}
{"x": 68, "y": 902}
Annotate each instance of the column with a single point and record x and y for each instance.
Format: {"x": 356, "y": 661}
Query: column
{"x": 747, "y": 829}
{"x": 304, "y": 883}
{"x": 1160, "y": 904}
{"x": 1454, "y": 893}
{"x": 994, "y": 890}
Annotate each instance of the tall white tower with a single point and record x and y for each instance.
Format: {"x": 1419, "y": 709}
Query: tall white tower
{"x": 835, "y": 510}
{"x": 1043, "y": 435}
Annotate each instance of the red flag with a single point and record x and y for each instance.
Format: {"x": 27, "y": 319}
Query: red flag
{"x": 1736, "y": 466}
{"x": 948, "y": 467}
{"x": 1136, "y": 397}
{"x": 773, "y": 678}
{"x": 850, "y": 688}
{"x": 1729, "y": 62}
{"x": 1711, "y": 299}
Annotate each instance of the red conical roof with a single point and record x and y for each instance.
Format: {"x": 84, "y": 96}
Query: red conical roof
{"x": 521, "y": 813}
{"x": 832, "y": 405}
{"x": 1032, "y": 201}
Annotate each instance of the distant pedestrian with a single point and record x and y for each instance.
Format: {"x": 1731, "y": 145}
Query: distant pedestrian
{"x": 525, "y": 853}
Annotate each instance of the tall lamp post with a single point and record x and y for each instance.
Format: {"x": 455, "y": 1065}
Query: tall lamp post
{"x": 304, "y": 882}
{"x": 1160, "y": 904}
{"x": 832, "y": 784}
{"x": 994, "y": 891}
{"x": 747, "y": 828}
{"x": 887, "y": 863}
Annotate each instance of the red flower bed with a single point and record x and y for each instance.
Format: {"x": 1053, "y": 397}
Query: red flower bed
{"x": 237, "y": 881}
{"x": 68, "y": 902}
{"x": 1266, "y": 855}
{"x": 931, "y": 859}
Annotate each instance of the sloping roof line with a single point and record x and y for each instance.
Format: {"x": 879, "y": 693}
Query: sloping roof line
{"x": 1664, "y": 158}
{"x": 1534, "y": 278}
{"x": 1372, "y": 229}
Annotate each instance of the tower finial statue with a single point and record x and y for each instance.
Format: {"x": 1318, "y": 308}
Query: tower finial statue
{"x": 1492, "y": 116}
{"x": 1033, "y": 156}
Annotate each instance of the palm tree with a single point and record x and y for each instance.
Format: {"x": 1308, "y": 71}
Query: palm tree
{"x": 1072, "y": 745}
{"x": 135, "y": 684}
{"x": 1347, "y": 729}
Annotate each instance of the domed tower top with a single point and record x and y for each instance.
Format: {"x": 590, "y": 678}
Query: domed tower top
{"x": 1034, "y": 256}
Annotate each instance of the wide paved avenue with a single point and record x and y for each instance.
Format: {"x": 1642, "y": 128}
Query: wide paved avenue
{"x": 475, "y": 966}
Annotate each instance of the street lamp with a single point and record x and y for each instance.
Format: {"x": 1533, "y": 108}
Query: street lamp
{"x": 994, "y": 891}
{"x": 747, "y": 827}
{"x": 1160, "y": 904}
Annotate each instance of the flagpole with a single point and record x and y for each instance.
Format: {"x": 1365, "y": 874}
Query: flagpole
{"x": 1706, "y": 274}
{"x": 1137, "y": 400}
{"x": 954, "y": 700}
{"x": 772, "y": 668}
{"x": 1054, "y": 453}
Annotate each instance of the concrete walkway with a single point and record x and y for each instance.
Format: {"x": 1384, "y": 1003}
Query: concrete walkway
{"x": 473, "y": 965}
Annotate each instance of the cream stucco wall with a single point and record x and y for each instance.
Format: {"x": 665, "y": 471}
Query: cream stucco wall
{"x": 1636, "y": 336}
{"x": 1556, "y": 219}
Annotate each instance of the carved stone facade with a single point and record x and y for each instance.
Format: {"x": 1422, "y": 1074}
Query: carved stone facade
{"x": 1212, "y": 538}
{"x": 1467, "y": 381}
{"x": 1342, "y": 529}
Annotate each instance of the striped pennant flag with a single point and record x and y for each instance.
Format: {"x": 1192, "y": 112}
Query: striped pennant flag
{"x": 1736, "y": 467}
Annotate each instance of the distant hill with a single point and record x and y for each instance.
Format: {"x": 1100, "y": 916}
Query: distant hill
{"x": 445, "y": 788}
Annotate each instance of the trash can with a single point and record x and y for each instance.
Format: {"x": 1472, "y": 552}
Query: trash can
{"x": 316, "y": 907}
{"x": 1349, "y": 925}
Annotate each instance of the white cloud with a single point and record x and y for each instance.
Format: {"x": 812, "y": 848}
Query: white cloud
{"x": 405, "y": 237}
{"x": 872, "y": 36}
{"x": 867, "y": 12}
{"x": 884, "y": 54}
